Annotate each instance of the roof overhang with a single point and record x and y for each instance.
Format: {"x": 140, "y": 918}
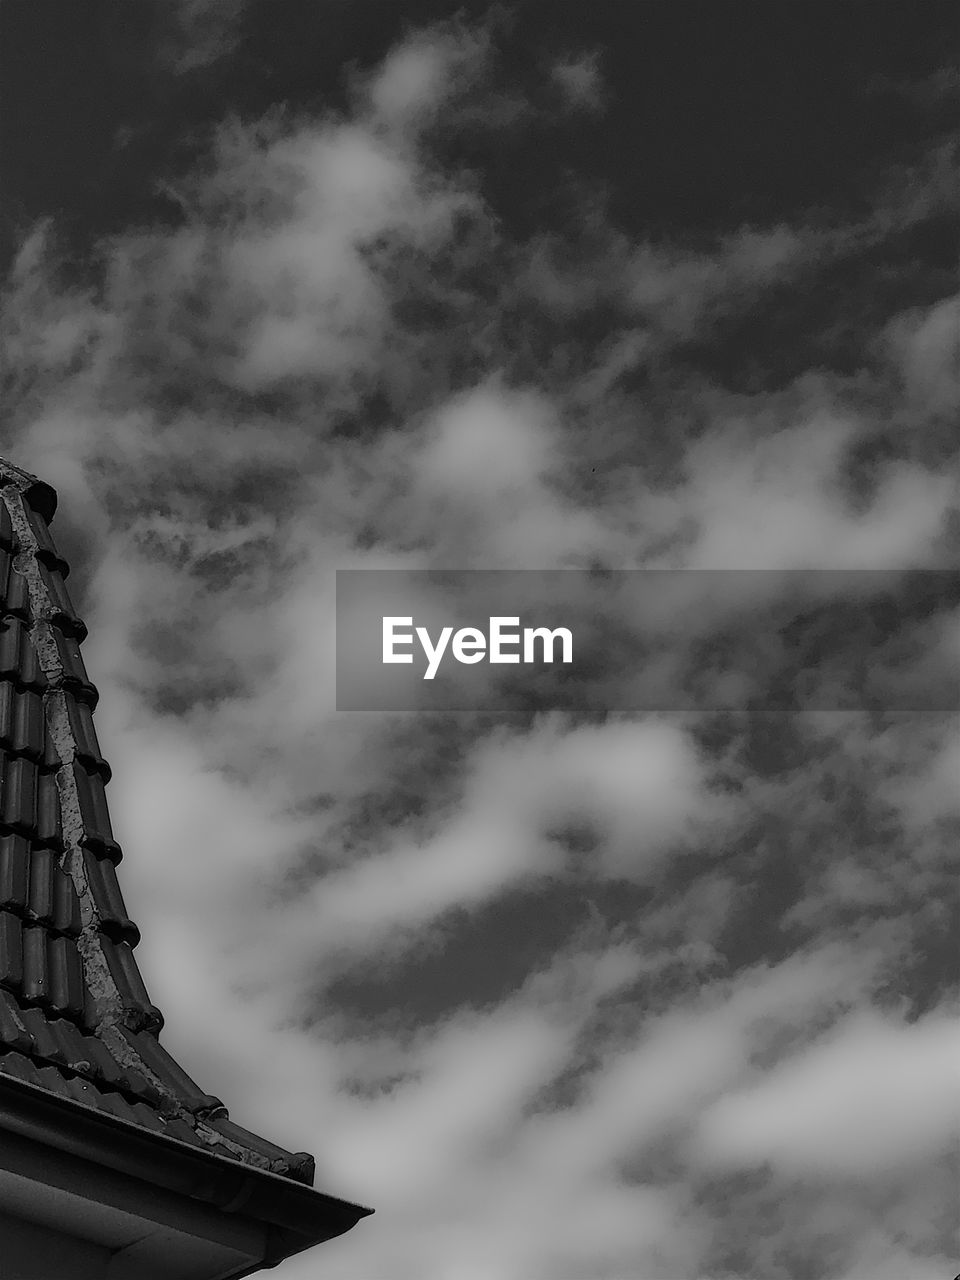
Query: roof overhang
{"x": 160, "y": 1207}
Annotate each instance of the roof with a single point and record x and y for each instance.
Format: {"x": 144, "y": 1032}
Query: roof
{"x": 75, "y": 1017}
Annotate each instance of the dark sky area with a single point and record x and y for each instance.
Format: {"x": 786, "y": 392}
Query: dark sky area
{"x": 718, "y": 115}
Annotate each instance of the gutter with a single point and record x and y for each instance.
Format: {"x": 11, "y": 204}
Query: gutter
{"x": 299, "y": 1215}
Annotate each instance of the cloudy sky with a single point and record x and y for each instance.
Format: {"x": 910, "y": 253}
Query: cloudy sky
{"x": 299, "y": 285}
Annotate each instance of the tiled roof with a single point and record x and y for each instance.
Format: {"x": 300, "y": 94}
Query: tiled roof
{"x": 75, "y": 1016}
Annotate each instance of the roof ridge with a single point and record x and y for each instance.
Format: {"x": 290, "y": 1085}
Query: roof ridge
{"x": 114, "y": 989}
{"x": 112, "y": 1007}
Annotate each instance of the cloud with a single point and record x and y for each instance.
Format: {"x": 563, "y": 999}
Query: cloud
{"x": 679, "y": 293}
{"x": 580, "y": 81}
{"x": 686, "y": 1058}
{"x": 776, "y": 501}
{"x": 201, "y": 32}
{"x": 874, "y": 1096}
{"x": 925, "y": 347}
{"x": 641, "y": 787}
{"x": 419, "y": 77}
{"x": 486, "y": 446}
{"x": 484, "y": 476}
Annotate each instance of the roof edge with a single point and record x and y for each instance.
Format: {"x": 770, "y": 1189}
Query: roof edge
{"x": 41, "y": 496}
{"x": 301, "y": 1216}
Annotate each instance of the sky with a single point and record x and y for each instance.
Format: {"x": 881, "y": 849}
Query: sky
{"x": 290, "y": 287}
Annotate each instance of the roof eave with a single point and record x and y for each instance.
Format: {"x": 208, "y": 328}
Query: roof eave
{"x": 299, "y": 1216}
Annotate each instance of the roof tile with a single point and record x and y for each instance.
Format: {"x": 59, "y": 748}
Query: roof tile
{"x": 29, "y": 800}
{"x": 274, "y": 1154}
{"x": 103, "y": 1066}
{"x": 74, "y": 672}
{"x": 40, "y": 901}
{"x": 54, "y": 1080}
{"x": 8, "y": 697}
{"x": 18, "y": 799}
{"x": 183, "y": 1132}
{"x": 27, "y": 725}
{"x": 36, "y": 972}
{"x": 92, "y": 1018}
{"x": 105, "y": 889}
{"x": 115, "y": 1103}
{"x": 15, "y": 1064}
{"x": 71, "y": 1044}
{"x": 18, "y": 655}
{"x": 22, "y": 727}
{"x": 49, "y": 829}
{"x": 13, "y": 1031}
{"x": 16, "y": 591}
{"x": 85, "y": 737}
{"x": 147, "y": 1117}
{"x": 11, "y": 951}
{"x": 98, "y": 833}
{"x": 7, "y": 542}
{"x": 66, "y": 904}
{"x": 44, "y": 1042}
{"x": 65, "y": 973}
{"x": 137, "y": 1083}
{"x": 173, "y": 1075}
{"x": 47, "y": 552}
{"x": 126, "y": 975}
{"x": 63, "y": 612}
{"x": 14, "y": 871}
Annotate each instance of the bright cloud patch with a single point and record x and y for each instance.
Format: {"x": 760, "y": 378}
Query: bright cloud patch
{"x": 874, "y": 1096}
